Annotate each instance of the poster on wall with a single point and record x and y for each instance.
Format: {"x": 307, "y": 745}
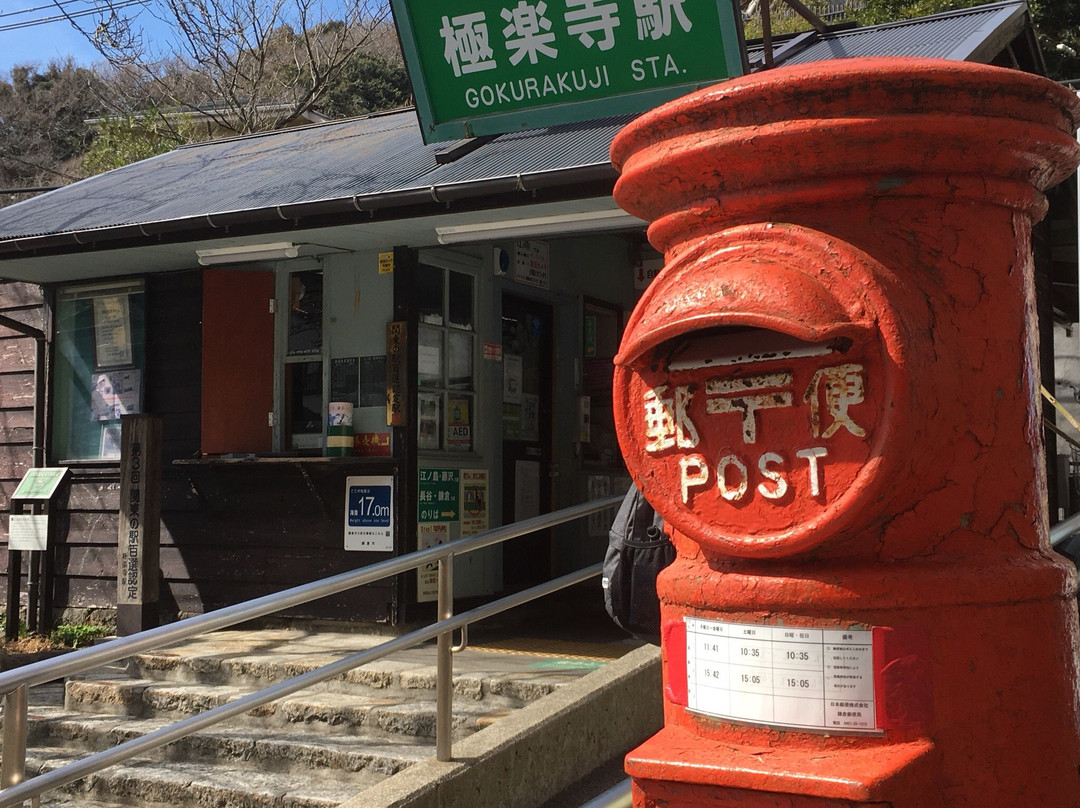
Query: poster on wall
{"x": 531, "y": 263}
{"x": 427, "y": 415}
{"x": 345, "y": 380}
{"x": 458, "y": 430}
{"x": 526, "y": 489}
{"x": 474, "y": 501}
{"x": 369, "y": 513}
{"x": 112, "y": 332}
{"x": 530, "y": 417}
{"x": 427, "y": 577}
{"x": 114, "y": 394}
{"x": 372, "y": 381}
{"x": 512, "y": 379}
{"x": 438, "y": 515}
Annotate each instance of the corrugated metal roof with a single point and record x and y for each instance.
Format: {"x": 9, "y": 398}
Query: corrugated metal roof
{"x": 369, "y": 161}
{"x": 954, "y": 35}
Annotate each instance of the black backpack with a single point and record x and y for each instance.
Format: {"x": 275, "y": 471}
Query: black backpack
{"x": 637, "y": 550}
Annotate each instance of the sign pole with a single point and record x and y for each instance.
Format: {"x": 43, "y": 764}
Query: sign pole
{"x": 139, "y": 532}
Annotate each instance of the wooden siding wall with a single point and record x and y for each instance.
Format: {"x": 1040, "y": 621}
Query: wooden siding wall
{"x": 23, "y": 302}
{"x": 229, "y": 531}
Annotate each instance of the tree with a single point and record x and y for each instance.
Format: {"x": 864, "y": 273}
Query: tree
{"x": 126, "y": 139}
{"x": 244, "y": 65}
{"x": 366, "y": 83}
{"x": 43, "y": 130}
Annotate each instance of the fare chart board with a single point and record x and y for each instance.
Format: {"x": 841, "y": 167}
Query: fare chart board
{"x": 782, "y": 676}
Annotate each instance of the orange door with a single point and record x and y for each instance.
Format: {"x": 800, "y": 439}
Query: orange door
{"x": 238, "y": 362}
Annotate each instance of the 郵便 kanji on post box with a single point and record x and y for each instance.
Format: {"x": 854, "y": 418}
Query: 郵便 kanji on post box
{"x": 830, "y": 395}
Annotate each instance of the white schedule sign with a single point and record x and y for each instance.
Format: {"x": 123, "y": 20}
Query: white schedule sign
{"x": 784, "y": 676}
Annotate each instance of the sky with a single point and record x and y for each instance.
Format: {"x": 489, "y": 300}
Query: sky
{"x": 40, "y": 44}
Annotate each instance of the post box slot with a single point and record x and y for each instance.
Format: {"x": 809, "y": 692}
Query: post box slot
{"x": 733, "y": 345}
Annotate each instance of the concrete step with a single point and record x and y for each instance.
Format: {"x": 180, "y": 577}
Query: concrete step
{"x": 394, "y": 712}
{"x": 317, "y": 748}
{"x": 199, "y": 784}
{"x": 272, "y": 751}
{"x": 476, "y": 674}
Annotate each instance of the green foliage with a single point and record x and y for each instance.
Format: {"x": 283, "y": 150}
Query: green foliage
{"x": 74, "y": 636}
{"x": 1057, "y": 25}
{"x": 23, "y": 630}
{"x": 127, "y": 139}
{"x": 365, "y": 83}
{"x": 875, "y": 12}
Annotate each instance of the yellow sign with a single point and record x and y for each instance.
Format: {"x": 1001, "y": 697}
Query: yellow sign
{"x": 386, "y": 263}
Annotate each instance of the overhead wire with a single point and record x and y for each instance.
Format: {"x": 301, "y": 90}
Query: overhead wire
{"x": 57, "y": 4}
{"x": 97, "y": 9}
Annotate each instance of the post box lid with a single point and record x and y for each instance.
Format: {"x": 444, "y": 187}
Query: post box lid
{"x": 752, "y": 284}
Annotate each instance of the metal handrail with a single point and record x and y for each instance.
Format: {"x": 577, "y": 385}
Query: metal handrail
{"x": 1063, "y": 529}
{"x": 14, "y": 684}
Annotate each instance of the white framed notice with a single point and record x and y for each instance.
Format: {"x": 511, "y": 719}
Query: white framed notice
{"x": 112, "y": 331}
{"x": 28, "y": 531}
{"x": 782, "y": 676}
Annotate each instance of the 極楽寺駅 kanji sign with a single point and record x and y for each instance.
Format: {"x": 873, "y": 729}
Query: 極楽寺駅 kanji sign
{"x": 481, "y": 67}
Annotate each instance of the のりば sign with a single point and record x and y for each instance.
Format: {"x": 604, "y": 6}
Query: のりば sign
{"x": 481, "y": 67}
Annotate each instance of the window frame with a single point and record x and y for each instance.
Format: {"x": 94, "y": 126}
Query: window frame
{"x": 64, "y": 372}
{"x": 283, "y": 439}
{"x": 444, "y": 392}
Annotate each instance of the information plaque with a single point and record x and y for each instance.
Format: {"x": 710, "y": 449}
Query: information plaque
{"x": 369, "y": 513}
{"x": 782, "y": 676}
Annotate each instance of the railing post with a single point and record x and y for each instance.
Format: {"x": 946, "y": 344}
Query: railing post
{"x": 13, "y": 764}
{"x": 444, "y": 670}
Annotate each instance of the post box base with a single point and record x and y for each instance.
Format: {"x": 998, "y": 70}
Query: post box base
{"x": 677, "y": 767}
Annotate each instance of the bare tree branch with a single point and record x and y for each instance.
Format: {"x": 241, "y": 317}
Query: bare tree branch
{"x": 260, "y": 63}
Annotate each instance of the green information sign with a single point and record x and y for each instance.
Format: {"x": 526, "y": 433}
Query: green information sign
{"x": 39, "y": 484}
{"x": 439, "y": 495}
{"x": 481, "y": 67}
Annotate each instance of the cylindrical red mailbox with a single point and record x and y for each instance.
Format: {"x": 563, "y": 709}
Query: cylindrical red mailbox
{"x": 830, "y": 395}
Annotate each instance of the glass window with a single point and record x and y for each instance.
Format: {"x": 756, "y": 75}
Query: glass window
{"x": 305, "y": 312}
{"x": 461, "y": 300}
{"x": 446, "y": 346}
{"x": 303, "y": 403}
{"x": 99, "y": 356}
{"x": 429, "y": 357}
{"x": 429, "y": 294}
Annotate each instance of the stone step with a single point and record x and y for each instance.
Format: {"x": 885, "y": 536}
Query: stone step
{"x": 476, "y": 675}
{"x": 393, "y": 713}
{"x": 274, "y": 751}
{"x": 197, "y": 784}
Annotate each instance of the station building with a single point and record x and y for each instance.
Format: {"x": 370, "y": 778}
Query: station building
{"x": 458, "y": 303}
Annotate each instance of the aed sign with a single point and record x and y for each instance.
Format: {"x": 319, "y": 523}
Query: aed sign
{"x": 369, "y": 513}
{"x": 482, "y": 67}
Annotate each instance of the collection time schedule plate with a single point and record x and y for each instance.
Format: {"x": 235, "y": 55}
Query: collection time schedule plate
{"x": 782, "y": 676}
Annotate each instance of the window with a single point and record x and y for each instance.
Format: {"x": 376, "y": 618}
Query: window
{"x": 301, "y": 398}
{"x": 446, "y": 347}
{"x": 100, "y": 365}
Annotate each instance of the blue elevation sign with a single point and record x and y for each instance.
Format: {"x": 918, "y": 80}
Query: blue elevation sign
{"x": 369, "y": 514}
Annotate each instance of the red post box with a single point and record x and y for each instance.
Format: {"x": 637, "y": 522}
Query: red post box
{"x": 830, "y": 395}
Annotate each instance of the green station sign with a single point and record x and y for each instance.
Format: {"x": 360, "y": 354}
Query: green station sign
{"x": 484, "y": 67}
